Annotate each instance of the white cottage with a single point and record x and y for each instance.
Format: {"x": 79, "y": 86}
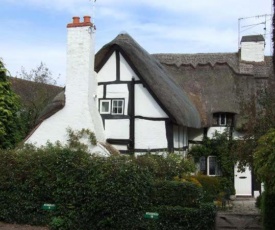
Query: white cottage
{"x": 163, "y": 102}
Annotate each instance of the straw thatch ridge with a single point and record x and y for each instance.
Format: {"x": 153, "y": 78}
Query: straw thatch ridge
{"x": 172, "y": 98}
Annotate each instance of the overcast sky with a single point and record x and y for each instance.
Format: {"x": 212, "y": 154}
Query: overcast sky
{"x": 34, "y": 31}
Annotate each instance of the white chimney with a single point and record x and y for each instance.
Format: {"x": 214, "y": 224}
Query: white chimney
{"x": 80, "y": 111}
{"x": 252, "y": 48}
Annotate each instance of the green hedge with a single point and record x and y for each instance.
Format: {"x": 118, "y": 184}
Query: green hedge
{"x": 178, "y": 217}
{"x": 105, "y": 193}
{"x": 268, "y": 210}
{"x": 91, "y": 192}
{"x": 174, "y": 193}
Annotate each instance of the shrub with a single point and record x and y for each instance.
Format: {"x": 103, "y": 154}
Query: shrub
{"x": 211, "y": 187}
{"x": 106, "y": 193}
{"x": 268, "y": 210}
{"x": 166, "y": 168}
{"x": 178, "y": 217}
{"x": 90, "y": 192}
{"x": 174, "y": 193}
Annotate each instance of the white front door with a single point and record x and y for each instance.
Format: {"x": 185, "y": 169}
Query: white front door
{"x": 243, "y": 182}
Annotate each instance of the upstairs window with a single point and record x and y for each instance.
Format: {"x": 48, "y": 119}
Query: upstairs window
{"x": 117, "y": 107}
{"x": 223, "y": 119}
{"x": 111, "y": 106}
{"x": 105, "y": 107}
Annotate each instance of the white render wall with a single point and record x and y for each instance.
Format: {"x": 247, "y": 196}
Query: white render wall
{"x": 180, "y": 136}
{"x": 150, "y": 134}
{"x": 80, "y": 109}
{"x": 126, "y": 72}
{"x": 145, "y": 104}
{"x": 117, "y": 128}
{"x": 119, "y": 91}
{"x": 252, "y": 51}
{"x": 108, "y": 71}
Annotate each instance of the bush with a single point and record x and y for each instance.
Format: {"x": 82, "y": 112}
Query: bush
{"x": 165, "y": 168}
{"x": 177, "y": 217}
{"x": 104, "y": 193}
{"x": 174, "y": 193}
{"x": 211, "y": 187}
{"x": 268, "y": 210}
{"x": 91, "y": 192}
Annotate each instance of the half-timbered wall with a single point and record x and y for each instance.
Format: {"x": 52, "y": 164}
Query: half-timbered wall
{"x": 142, "y": 125}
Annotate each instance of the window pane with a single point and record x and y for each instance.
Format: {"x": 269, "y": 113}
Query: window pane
{"x": 215, "y": 119}
{"x": 203, "y": 165}
{"x": 212, "y": 166}
{"x": 222, "y": 119}
{"x": 105, "y": 106}
{"x": 117, "y": 106}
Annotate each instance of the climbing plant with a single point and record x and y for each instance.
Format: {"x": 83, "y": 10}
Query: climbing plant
{"x": 221, "y": 147}
{"x": 76, "y": 136}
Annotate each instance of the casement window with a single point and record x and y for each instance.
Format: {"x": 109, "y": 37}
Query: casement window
{"x": 111, "y": 106}
{"x": 105, "y": 106}
{"x": 117, "y": 107}
{"x": 223, "y": 119}
{"x": 209, "y": 166}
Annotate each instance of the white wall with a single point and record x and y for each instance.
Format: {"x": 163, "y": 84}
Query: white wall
{"x": 119, "y": 91}
{"x": 150, "y": 134}
{"x": 195, "y": 134}
{"x": 180, "y": 136}
{"x": 126, "y": 72}
{"x": 146, "y": 105}
{"x": 108, "y": 71}
{"x": 252, "y": 51}
{"x": 211, "y": 131}
{"x": 117, "y": 128}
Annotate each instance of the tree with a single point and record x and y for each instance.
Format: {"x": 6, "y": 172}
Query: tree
{"x": 36, "y": 90}
{"x": 264, "y": 159}
{"x": 10, "y": 125}
{"x": 264, "y": 166}
{"x": 260, "y": 118}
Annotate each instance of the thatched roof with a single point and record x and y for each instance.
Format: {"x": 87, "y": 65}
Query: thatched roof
{"x": 173, "y": 99}
{"x": 217, "y": 82}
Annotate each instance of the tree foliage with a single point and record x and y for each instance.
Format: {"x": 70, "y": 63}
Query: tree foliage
{"x": 260, "y": 118}
{"x": 35, "y": 93}
{"x": 10, "y": 126}
{"x": 264, "y": 159}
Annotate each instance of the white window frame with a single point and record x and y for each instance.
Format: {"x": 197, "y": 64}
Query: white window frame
{"x": 100, "y": 105}
{"x": 122, "y": 106}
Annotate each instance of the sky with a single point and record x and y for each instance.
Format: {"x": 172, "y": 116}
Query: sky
{"x": 34, "y": 31}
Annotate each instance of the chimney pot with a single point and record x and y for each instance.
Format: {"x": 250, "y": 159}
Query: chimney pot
{"x": 76, "y": 20}
{"x": 87, "y": 19}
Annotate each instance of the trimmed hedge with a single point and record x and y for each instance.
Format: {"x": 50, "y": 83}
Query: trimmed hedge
{"x": 178, "y": 217}
{"x": 89, "y": 192}
{"x": 92, "y": 192}
{"x": 174, "y": 193}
